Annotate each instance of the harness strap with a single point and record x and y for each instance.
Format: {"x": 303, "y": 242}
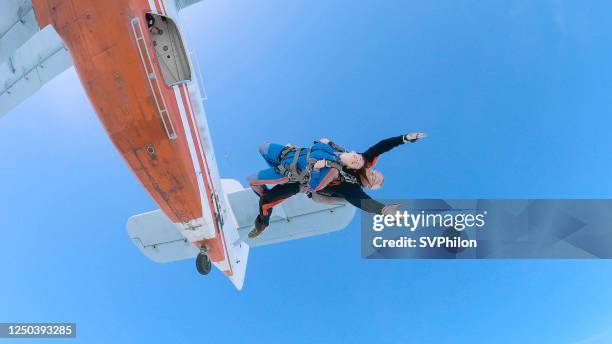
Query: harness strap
{"x": 282, "y": 169}
{"x": 292, "y": 172}
{"x": 337, "y": 147}
{"x": 302, "y": 175}
{"x": 333, "y": 164}
{"x": 296, "y": 175}
{"x": 284, "y": 152}
{"x": 293, "y": 169}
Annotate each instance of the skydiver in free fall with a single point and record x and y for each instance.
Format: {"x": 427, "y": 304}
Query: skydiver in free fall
{"x": 324, "y": 172}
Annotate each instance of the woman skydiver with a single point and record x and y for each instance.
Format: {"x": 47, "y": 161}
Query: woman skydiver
{"x": 350, "y": 184}
{"x": 336, "y": 173}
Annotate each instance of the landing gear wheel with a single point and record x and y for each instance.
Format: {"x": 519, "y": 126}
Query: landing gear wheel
{"x": 203, "y": 264}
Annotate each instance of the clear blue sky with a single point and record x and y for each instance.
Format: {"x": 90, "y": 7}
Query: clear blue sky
{"x": 515, "y": 95}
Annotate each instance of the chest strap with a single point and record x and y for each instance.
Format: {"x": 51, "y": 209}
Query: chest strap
{"x": 293, "y": 173}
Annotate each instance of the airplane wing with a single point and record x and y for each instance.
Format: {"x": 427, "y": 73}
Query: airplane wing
{"x": 29, "y": 57}
{"x": 298, "y": 217}
{"x": 159, "y": 239}
{"x": 17, "y": 25}
{"x": 182, "y": 4}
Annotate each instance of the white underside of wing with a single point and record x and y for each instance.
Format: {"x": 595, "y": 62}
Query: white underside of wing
{"x": 182, "y": 4}
{"x": 296, "y": 218}
{"x": 158, "y": 238}
{"x": 17, "y": 25}
{"x": 299, "y": 217}
{"x": 28, "y": 68}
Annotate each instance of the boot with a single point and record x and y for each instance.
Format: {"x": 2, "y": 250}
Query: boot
{"x": 259, "y": 228}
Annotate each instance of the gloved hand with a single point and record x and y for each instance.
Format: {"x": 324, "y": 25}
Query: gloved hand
{"x": 391, "y": 209}
{"x": 413, "y": 137}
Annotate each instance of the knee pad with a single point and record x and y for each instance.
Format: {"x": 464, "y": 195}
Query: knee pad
{"x": 264, "y": 148}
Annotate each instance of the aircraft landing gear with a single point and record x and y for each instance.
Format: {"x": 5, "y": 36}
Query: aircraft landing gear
{"x": 203, "y": 262}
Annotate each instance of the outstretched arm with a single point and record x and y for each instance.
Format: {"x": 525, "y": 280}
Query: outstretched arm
{"x": 372, "y": 154}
